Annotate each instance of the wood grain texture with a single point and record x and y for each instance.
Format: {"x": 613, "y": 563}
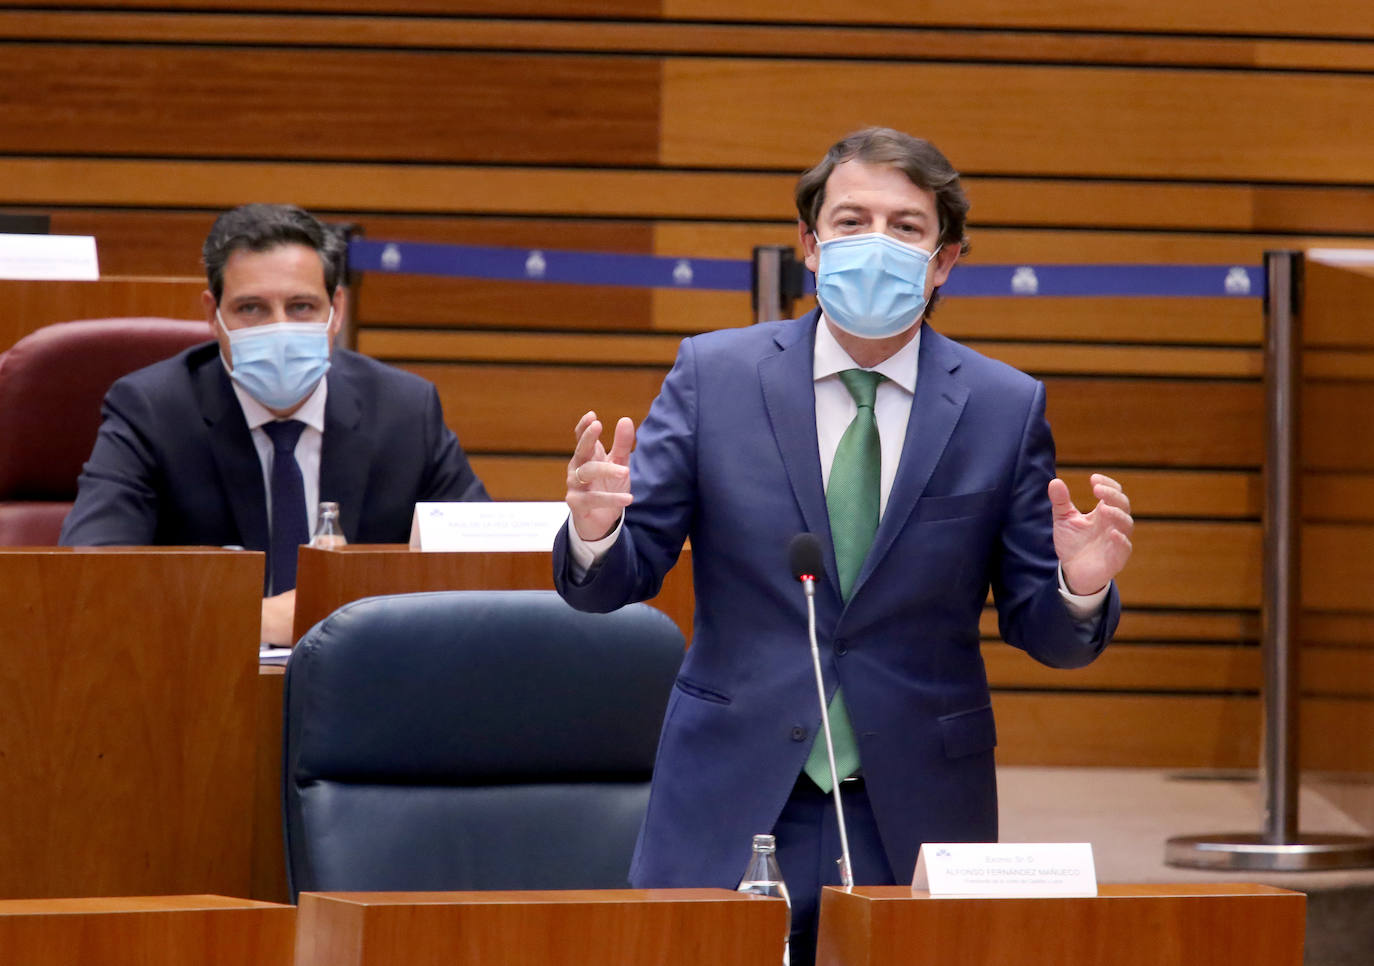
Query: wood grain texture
{"x": 1139, "y": 204}
{"x": 1327, "y": 17}
{"x": 1109, "y": 120}
{"x": 570, "y": 928}
{"x": 312, "y": 104}
{"x": 1097, "y": 421}
{"x": 1324, "y": 18}
{"x": 754, "y": 39}
{"x": 147, "y": 931}
{"x": 446, "y": 345}
{"x": 128, "y": 731}
{"x": 1147, "y": 925}
{"x": 269, "y": 849}
{"x": 30, "y": 305}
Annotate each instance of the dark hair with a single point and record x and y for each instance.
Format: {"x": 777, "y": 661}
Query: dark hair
{"x": 258, "y": 228}
{"x": 918, "y": 159}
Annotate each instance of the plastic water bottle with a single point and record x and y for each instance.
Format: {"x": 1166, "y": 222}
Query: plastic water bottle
{"x": 328, "y": 531}
{"x": 763, "y": 878}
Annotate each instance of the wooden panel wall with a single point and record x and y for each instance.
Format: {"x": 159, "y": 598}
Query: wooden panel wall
{"x": 1088, "y": 133}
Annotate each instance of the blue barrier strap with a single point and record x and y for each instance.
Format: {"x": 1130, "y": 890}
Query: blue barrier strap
{"x": 549, "y": 265}
{"x": 734, "y": 275}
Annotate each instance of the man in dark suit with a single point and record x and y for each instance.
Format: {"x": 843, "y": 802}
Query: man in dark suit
{"x": 926, "y": 471}
{"x": 231, "y": 442}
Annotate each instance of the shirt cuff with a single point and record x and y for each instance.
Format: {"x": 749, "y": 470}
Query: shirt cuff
{"x": 586, "y": 554}
{"x": 1082, "y": 606}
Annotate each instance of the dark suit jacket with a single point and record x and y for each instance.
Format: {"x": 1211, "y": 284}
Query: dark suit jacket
{"x": 174, "y": 462}
{"x": 728, "y": 456}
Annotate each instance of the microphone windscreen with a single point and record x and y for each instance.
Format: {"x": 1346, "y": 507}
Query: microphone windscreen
{"x": 804, "y": 555}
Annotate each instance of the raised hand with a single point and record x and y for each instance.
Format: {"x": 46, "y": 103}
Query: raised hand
{"x": 598, "y": 481}
{"x": 1094, "y": 546}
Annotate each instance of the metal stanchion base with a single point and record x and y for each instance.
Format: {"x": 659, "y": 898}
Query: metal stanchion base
{"x": 1244, "y": 850}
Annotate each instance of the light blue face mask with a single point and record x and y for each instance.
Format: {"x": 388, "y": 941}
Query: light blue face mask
{"x": 279, "y": 364}
{"x": 872, "y": 285}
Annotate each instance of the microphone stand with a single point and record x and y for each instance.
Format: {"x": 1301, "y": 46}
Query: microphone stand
{"x": 846, "y": 868}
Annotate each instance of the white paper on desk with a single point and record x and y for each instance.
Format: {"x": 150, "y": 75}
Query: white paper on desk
{"x": 510, "y": 527}
{"x": 52, "y": 258}
{"x": 1006, "y": 869}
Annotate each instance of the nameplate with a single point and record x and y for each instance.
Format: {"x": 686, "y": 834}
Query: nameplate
{"x": 1006, "y": 869}
{"x": 507, "y": 527}
{"x": 49, "y": 258}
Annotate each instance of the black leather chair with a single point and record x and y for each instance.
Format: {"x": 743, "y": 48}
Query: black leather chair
{"x": 472, "y": 740}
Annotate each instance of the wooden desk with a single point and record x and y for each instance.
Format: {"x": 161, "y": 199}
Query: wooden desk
{"x": 195, "y": 930}
{"x": 619, "y": 927}
{"x": 1198, "y": 924}
{"x": 128, "y": 726}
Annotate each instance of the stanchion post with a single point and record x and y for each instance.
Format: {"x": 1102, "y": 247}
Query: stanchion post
{"x": 1281, "y": 596}
{"x": 777, "y": 282}
{"x": 1280, "y": 847}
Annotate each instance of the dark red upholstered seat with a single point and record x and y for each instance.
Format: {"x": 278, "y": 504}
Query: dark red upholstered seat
{"x": 51, "y": 384}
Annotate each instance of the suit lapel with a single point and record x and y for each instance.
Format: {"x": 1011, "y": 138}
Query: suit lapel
{"x": 789, "y": 396}
{"x": 236, "y": 457}
{"x": 344, "y": 456}
{"x": 935, "y": 411}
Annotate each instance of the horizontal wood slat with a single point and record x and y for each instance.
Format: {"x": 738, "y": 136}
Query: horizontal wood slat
{"x": 1170, "y": 731}
{"x": 1202, "y": 668}
{"x": 447, "y": 345}
{"x": 1154, "y": 493}
{"x": 478, "y": 104}
{"x": 889, "y": 42}
{"x": 310, "y": 104}
{"x": 645, "y": 193}
{"x": 1147, "y": 731}
{"x": 1111, "y": 118}
{"x": 1324, "y": 18}
{"x": 1096, "y": 420}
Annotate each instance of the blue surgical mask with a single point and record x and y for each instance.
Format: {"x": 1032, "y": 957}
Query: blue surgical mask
{"x": 279, "y": 364}
{"x": 872, "y": 285}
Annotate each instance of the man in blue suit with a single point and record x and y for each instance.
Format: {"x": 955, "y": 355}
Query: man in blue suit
{"x": 187, "y": 450}
{"x": 753, "y": 436}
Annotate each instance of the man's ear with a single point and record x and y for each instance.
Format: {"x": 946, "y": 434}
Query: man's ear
{"x": 208, "y": 304}
{"x": 810, "y": 256}
{"x": 340, "y": 304}
{"x": 944, "y": 261}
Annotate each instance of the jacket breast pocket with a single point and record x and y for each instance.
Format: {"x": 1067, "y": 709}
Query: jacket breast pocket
{"x": 932, "y": 508}
{"x": 968, "y": 732}
{"x": 690, "y": 687}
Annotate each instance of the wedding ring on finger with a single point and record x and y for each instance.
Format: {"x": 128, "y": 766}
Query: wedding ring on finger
{"x": 577, "y": 475}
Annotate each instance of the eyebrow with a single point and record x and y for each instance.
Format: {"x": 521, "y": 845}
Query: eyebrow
{"x": 914, "y": 213}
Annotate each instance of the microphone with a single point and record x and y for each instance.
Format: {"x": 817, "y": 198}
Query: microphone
{"x": 804, "y": 557}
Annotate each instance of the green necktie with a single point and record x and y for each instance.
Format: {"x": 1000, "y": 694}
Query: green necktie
{"x": 852, "y": 498}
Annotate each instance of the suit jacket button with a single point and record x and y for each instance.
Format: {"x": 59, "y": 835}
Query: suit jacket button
{"x": 841, "y": 646}
{"x": 798, "y": 733}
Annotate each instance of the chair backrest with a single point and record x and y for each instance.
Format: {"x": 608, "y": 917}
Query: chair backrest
{"x": 472, "y": 740}
{"x": 51, "y": 384}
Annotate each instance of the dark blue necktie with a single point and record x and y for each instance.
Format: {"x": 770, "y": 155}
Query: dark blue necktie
{"x": 290, "y": 528}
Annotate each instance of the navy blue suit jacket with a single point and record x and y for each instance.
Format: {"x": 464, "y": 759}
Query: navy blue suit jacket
{"x": 728, "y": 456}
{"x": 174, "y": 462}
